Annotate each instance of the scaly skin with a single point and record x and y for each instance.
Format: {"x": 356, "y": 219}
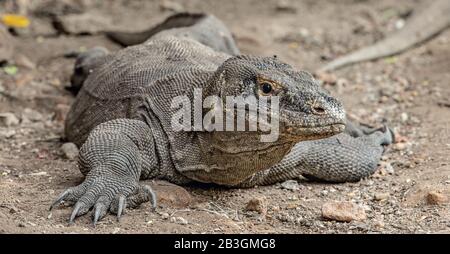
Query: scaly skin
{"x": 122, "y": 119}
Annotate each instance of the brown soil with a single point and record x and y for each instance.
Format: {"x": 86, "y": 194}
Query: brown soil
{"x": 410, "y": 92}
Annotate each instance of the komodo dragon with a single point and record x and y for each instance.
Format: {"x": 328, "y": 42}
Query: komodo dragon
{"x": 121, "y": 118}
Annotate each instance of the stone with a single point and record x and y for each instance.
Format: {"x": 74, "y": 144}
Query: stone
{"x": 387, "y": 168}
{"x": 436, "y": 198}
{"x": 171, "y": 195}
{"x": 7, "y": 133}
{"x": 285, "y": 6}
{"x": 8, "y": 119}
{"x": 70, "y": 151}
{"x": 379, "y": 196}
{"x": 400, "y": 146}
{"x": 179, "y": 220}
{"x": 31, "y": 115}
{"x": 171, "y": 6}
{"x": 85, "y": 23}
{"x": 258, "y": 204}
{"x": 343, "y": 211}
{"x": 165, "y": 216}
{"x": 290, "y": 185}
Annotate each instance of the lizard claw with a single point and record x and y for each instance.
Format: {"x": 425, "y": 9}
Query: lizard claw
{"x": 121, "y": 206}
{"x": 74, "y": 214}
{"x": 100, "y": 212}
{"x": 59, "y": 200}
{"x": 152, "y": 195}
{"x": 114, "y": 195}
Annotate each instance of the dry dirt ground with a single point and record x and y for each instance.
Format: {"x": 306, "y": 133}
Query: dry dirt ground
{"x": 410, "y": 92}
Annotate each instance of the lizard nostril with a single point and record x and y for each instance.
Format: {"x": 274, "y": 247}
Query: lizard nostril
{"x": 318, "y": 109}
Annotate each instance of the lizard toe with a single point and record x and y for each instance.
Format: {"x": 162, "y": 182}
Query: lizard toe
{"x": 144, "y": 193}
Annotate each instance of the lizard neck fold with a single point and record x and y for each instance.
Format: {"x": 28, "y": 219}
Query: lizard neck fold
{"x": 233, "y": 156}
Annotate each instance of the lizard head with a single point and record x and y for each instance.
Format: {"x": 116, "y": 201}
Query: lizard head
{"x": 305, "y": 112}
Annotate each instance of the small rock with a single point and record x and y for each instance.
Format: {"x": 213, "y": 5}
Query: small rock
{"x": 8, "y": 119}
{"x": 378, "y": 224}
{"x": 70, "y": 151}
{"x": 171, "y": 6}
{"x": 30, "y": 115}
{"x": 400, "y": 146}
{"x": 343, "y": 211}
{"x": 165, "y": 216}
{"x": 404, "y": 116}
{"x": 290, "y": 185}
{"x": 381, "y": 196}
{"x": 285, "y": 6}
{"x": 258, "y": 204}
{"x": 13, "y": 209}
{"x": 399, "y": 24}
{"x": 42, "y": 173}
{"x": 436, "y": 198}
{"x": 387, "y": 168}
{"x": 7, "y": 133}
{"x": 179, "y": 220}
{"x": 285, "y": 217}
{"x": 85, "y": 23}
{"x": 171, "y": 195}
{"x": 23, "y": 61}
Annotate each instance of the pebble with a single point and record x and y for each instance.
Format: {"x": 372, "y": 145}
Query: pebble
{"x": 171, "y": 6}
{"x": 171, "y": 195}
{"x": 42, "y": 173}
{"x": 8, "y": 119}
{"x": 404, "y": 117}
{"x": 30, "y": 115}
{"x": 400, "y": 146}
{"x": 436, "y": 198}
{"x": 381, "y": 196}
{"x": 290, "y": 185}
{"x": 285, "y": 6}
{"x": 165, "y": 216}
{"x": 378, "y": 224}
{"x": 285, "y": 217}
{"x": 258, "y": 204}
{"x": 84, "y": 23}
{"x": 399, "y": 24}
{"x": 7, "y": 133}
{"x": 70, "y": 151}
{"x": 179, "y": 220}
{"x": 343, "y": 211}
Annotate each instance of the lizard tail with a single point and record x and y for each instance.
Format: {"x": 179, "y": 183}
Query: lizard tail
{"x": 422, "y": 26}
{"x": 175, "y": 21}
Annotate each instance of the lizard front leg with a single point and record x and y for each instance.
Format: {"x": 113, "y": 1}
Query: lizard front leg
{"x": 346, "y": 157}
{"x": 113, "y": 159}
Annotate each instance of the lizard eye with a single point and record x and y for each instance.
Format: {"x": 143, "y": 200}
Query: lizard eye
{"x": 266, "y": 88}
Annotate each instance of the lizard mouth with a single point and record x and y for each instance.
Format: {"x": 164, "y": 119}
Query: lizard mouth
{"x": 313, "y": 132}
{"x": 299, "y": 126}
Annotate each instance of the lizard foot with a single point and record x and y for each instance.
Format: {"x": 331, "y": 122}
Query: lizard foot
{"x": 103, "y": 194}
